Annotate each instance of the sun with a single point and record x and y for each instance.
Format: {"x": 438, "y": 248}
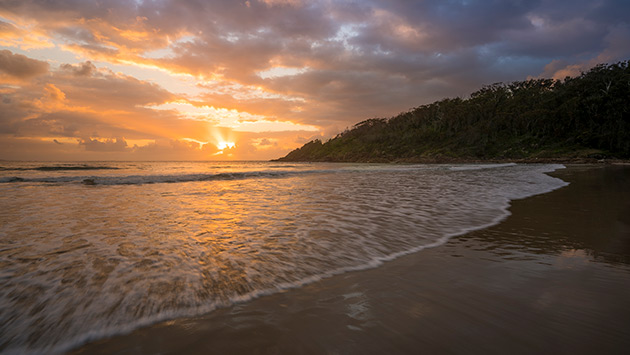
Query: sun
{"x": 225, "y": 145}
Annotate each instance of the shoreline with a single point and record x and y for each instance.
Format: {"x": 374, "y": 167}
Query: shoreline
{"x": 447, "y": 160}
{"x": 456, "y": 297}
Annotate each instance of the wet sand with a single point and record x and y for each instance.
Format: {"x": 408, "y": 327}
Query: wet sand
{"x": 554, "y": 277}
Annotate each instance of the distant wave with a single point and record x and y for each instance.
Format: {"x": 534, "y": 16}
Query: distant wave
{"x": 198, "y": 177}
{"x": 153, "y": 179}
{"x": 61, "y": 168}
{"x": 12, "y": 179}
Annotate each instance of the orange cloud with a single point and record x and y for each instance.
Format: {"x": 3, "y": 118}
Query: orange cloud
{"x": 275, "y": 65}
{"x": 22, "y": 37}
{"x": 81, "y": 111}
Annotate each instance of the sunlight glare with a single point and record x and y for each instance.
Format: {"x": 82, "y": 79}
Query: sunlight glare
{"x": 225, "y": 145}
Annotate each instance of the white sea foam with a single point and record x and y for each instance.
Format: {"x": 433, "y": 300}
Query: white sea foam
{"x": 82, "y": 263}
{"x": 479, "y": 166}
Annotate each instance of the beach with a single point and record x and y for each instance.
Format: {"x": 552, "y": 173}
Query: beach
{"x": 553, "y": 277}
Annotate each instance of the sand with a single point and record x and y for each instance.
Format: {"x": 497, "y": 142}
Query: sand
{"x": 554, "y": 277}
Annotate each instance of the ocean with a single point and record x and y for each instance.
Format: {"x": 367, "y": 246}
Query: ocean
{"x": 93, "y": 249}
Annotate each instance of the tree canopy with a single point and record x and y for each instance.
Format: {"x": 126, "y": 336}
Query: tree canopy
{"x": 588, "y": 115}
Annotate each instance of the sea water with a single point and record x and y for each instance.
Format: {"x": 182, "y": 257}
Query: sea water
{"x": 88, "y": 250}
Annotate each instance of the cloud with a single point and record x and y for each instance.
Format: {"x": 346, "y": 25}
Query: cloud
{"x": 107, "y": 145}
{"x": 24, "y": 38}
{"x": 616, "y": 47}
{"x": 81, "y": 69}
{"x": 340, "y": 62}
{"x": 264, "y": 142}
{"x": 80, "y": 100}
{"x": 81, "y": 111}
{"x": 169, "y": 149}
{"x": 20, "y": 66}
{"x": 53, "y": 93}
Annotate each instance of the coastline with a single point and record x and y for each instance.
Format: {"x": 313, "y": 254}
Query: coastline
{"x": 578, "y": 160}
{"x": 552, "y": 277}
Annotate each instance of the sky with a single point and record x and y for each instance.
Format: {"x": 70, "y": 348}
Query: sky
{"x": 255, "y": 79}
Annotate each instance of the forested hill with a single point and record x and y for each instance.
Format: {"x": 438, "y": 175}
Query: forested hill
{"x": 585, "y": 116}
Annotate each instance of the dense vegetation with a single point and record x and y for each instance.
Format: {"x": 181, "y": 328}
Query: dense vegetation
{"x": 585, "y": 116}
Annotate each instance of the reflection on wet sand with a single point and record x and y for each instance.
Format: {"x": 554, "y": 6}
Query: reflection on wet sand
{"x": 592, "y": 215}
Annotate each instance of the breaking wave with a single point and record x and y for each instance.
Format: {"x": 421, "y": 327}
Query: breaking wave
{"x": 107, "y": 261}
{"x": 60, "y": 168}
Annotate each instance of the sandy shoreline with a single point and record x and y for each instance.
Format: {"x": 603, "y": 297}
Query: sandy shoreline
{"x": 553, "y": 277}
